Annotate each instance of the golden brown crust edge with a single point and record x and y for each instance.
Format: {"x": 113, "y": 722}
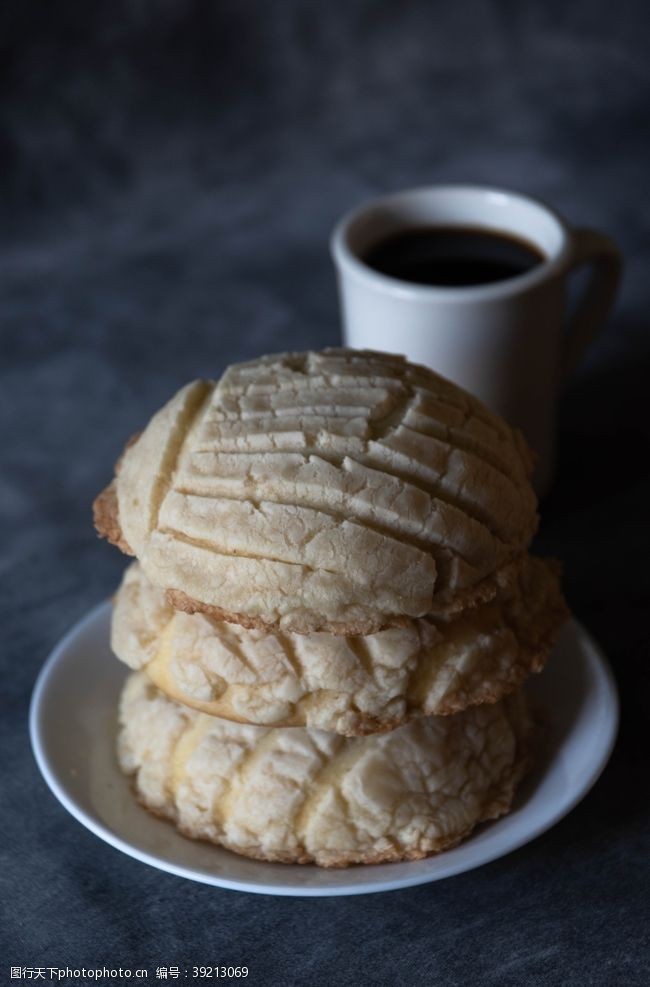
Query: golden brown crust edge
{"x": 106, "y": 513}
{"x": 181, "y": 601}
{"x": 106, "y": 518}
{"x": 474, "y": 597}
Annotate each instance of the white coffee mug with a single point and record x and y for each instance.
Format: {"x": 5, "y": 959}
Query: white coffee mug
{"x": 510, "y": 342}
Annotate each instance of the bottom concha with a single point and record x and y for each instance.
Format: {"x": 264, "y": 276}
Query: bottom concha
{"x": 300, "y": 795}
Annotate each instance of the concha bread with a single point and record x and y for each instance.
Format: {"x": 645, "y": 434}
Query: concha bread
{"x": 298, "y": 795}
{"x": 349, "y": 685}
{"x": 343, "y": 491}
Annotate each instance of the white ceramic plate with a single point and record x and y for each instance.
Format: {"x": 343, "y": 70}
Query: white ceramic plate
{"x": 73, "y": 723}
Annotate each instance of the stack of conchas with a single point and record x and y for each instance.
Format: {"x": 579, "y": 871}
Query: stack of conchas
{"x": 332, "y": 609}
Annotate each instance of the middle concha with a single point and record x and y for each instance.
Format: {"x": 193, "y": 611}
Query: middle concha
{"x": 348, "y": 685}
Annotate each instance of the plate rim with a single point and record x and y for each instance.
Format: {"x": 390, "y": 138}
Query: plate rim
{"x": 597, "y": 658}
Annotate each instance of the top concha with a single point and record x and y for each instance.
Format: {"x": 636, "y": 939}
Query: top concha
{"x": 342, "y": 491}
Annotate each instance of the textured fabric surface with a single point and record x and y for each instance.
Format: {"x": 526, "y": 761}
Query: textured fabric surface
{"x": 172, "y": 172}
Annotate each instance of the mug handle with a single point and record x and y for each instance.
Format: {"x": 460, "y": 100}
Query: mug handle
{"x": 604, "y": 258}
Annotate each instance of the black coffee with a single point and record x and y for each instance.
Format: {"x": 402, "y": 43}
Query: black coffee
{"x": 452, "y": 256}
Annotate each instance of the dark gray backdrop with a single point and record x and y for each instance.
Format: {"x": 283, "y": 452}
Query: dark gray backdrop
{"x": 170, "y": 173}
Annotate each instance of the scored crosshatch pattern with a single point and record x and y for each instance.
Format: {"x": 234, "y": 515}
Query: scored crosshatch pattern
{"x": 326, "y": 491}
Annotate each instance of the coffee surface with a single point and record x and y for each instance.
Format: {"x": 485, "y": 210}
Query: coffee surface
{"x": 452, "y": 256}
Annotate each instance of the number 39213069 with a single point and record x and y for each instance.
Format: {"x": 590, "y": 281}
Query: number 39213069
{"x": 220, "y": 972}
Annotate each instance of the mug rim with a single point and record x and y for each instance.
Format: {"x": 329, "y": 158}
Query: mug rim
{"x": 346, "y": 259}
